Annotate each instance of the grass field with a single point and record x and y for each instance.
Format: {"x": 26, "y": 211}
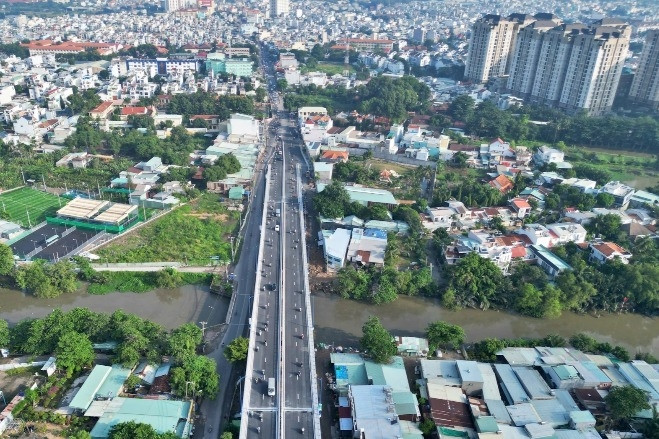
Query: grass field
{"x": 22, "y": 202}
{"x": 329, "y": 68}
{"x": 192, "y": 234}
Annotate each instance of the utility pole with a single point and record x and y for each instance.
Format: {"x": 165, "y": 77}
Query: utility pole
{"x": 203, "y": 329}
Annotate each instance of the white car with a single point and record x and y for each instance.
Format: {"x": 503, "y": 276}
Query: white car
{"x": 276, "y": 227}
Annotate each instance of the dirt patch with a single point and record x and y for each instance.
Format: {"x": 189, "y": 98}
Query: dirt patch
{"x": 11, "y": 385}
{"x": 221, "y": 217}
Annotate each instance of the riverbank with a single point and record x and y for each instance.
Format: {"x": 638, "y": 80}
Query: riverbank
{"x": 339, "y": 321}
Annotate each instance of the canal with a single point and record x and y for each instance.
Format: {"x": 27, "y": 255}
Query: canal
{"x": 339, "y": 321}
{"x": 169, "y": 307}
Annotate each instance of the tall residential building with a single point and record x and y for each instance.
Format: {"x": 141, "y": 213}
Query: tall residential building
{"x": 419, "y": 35}
{"x": 645, "y": 86}
{"x": 552, "y": 64}
{"x": 574, "y": 67}
{"x": 594, "y": 68}
{"x": 525, "y": 55}
{"x": 175, "y": 5}
{"x": 279, "y": 7}
{"x": 492, "y": 38}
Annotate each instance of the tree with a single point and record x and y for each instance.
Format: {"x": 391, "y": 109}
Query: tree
{"x": 377, "y": 341}
{"x": 47, "y": 280}
{"x": 199, "y": 370}
{"x": 134, "y": 430}
{"x": 427, "y": 427}
{"x": 604, "y": 200}
{"x": 332, "y": 201}
{"x": 6, "y": 260}
{"x": 485, "y": 350}
{"x": 168, "y": 278}
{"x": 260, "y": 94}
{"x": 184, "y": 340}
{"x": 441, "y": 333}
{"x": 476, "y": 281}
{"x": 462, "y": 108}
{"x": 132, "y": 382}
{"x": 583, "y": 342}
{"x": 460, "y": 159}
{"x": 608, "y": 226}
{"x": 4, "y": 334}
{"x": 226, "y": 435}
{"x": 237, "y": 350}
{"x": 74, "y": 351}
{"x": 625, "y": 401}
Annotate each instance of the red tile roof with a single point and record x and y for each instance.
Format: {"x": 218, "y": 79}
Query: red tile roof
{"x": 502, "y": 184}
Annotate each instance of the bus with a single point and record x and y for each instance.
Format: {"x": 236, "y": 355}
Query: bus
{"x": 271, "y": 387}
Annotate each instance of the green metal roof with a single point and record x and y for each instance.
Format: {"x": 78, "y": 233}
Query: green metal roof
{"x": 566, "y": 372}
{"x": 487, "y": 424}
{"x": 113, "y": 382}
{"x": 406, "y": 403}
{"x": 90, "y": 387}
{"x": 162, "y": 415}
{"x": 236, "y": 193}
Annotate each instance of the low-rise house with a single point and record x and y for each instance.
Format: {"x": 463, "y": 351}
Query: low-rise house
{"x": 520, "y": 206}
{"x": 335, "y": 247}
{"x": 411, "y": 346}
{"x": 567, "y": 232}
{"x": 502, "y": 183}
{"x": 620, "y": 192}
{"x": 546, "y": 155}
{"x": 102, "y": 111}
{"x": 76, "y": 160}
{"x": 367, "y": 246}
{"x": 440, "y": 217}
{"x": 607, "y": 251}
{"x": 552, "y": 264}
{"x": 537, "y": 234}
{"x": 334, "y": 156}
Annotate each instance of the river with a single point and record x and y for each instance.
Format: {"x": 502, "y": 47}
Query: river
{"x": 339, "y": 321}
{"x": 169, "y": 307}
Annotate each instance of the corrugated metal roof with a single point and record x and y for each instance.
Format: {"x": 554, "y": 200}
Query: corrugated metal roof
{"x": 90, "y": 387}
{"x": 533, "y": 383}
{"x": 512, "y": 388}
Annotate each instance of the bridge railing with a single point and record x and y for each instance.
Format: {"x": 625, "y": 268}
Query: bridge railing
{"x": 249, "y": 370}
{"x": 307, "y": 304}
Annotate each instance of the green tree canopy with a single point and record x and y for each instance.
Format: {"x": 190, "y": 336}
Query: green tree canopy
{"x": 74, "y": 351}
{"x": 236, "y": 350}
{"x": 377, "y": 341}
{"x": 134, "y": 430}
{"x": 332, "y": 201}
{"x": 47, "y": 280}
{"x": 462, "y": 108}
{"x": 444, "y": 334}
{"x": 624, "y": 402}
{"x": 199, "y": 370}
{"x": 184, "y": 340}
{"x": 4, "y": 334}
{"x": 6, "y": 260}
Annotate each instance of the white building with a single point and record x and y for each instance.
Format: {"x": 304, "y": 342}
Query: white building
{"x": 335, "y": 247}
{"x": 546, "y": 155}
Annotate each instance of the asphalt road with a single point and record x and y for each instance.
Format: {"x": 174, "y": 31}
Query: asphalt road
{"x": 215, "y": 412}
{"x": 281, "y": 351}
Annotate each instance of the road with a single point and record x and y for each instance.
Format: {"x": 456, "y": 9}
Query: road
{"x": 214, "y": 412}
{"x": 281, "y": 350}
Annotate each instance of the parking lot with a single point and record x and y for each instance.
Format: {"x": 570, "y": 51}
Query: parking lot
{"x": 58, "y": 248}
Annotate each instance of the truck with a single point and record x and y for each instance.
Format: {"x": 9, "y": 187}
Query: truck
{"x": 278, "y": 212}
{"x": 271, "y": 387}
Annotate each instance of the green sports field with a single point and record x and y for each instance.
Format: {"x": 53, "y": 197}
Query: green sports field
{"x": 39, "y": 204}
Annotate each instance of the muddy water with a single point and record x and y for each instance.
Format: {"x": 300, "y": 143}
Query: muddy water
{"x": 339, "y": 321}
{"x": 169, "y": 307}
